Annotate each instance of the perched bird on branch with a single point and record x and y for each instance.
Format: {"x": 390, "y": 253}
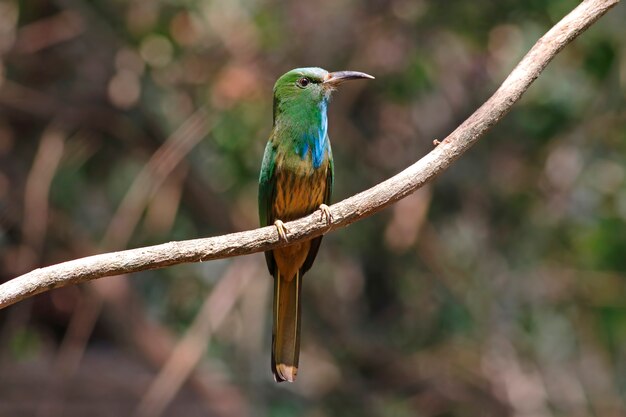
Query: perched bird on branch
{"x": 296, "y": 179}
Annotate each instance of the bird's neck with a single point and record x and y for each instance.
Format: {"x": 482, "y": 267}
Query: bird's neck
{"x": 305, "y": 128}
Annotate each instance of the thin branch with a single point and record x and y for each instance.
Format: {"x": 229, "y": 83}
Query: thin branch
{"x": 344, "y": 213}
{"x": 36, "y": 193}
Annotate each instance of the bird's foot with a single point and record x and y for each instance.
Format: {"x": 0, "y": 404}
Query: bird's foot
{"x": 281, "y": 229}
{"x": 325, "y": 213}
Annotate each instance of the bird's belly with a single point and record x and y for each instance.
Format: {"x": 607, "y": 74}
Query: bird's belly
{"x": 296, "y": 196}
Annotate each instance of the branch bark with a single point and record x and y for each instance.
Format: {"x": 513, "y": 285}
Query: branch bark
{"x": 345, "y": 212}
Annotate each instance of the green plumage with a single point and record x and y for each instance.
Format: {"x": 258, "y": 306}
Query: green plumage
{"x": 296, "y": 178}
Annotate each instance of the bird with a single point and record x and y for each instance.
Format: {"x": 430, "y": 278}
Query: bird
{"x": 296, "y": 179}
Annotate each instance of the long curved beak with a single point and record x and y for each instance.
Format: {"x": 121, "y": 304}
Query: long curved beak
{"x": 333, "y": 79}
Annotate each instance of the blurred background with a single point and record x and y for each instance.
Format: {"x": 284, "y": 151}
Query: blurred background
{"x": 497, "y": 290}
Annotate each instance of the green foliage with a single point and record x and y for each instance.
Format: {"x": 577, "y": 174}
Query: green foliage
{"x": 25, "y": 344}
{"x": 600, "y": 59}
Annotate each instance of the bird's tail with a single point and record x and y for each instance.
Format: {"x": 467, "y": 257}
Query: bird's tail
{"x": 286, "y": 327}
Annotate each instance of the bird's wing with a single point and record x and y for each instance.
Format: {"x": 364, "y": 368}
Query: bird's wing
{"x": 315, "y": 243}
{"x": 267, "y": 190}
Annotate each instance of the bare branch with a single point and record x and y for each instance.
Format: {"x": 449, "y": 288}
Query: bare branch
{"x": 344, "y": 213}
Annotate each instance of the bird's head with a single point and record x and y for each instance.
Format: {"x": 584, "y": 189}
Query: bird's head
{"x": 306, "y": 88}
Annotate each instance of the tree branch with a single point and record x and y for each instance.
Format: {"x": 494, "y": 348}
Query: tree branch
{"x": 344, "y": 213}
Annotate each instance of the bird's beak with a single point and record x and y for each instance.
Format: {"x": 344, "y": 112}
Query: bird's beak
{"x": 333, "y": 79}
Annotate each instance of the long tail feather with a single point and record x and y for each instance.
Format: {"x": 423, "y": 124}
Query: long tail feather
{"x": 286, "y": 327}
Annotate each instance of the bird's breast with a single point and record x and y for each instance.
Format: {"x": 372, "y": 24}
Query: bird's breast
{"x": 299, "y": 192}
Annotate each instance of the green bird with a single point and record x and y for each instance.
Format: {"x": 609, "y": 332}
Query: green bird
{"x": 296, "y": 179}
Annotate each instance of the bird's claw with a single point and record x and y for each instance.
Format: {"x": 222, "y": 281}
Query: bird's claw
{"x": 281, "y": 229}
{"x": 325, "y": 212}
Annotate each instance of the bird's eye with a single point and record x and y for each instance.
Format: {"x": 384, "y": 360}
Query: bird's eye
{"x": 303, "y": 82}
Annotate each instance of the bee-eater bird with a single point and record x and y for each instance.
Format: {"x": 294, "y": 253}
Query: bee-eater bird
{"x": 296, "y": 179}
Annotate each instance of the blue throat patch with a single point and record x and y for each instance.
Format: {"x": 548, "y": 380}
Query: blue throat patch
{"x": 315, "y": 138}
